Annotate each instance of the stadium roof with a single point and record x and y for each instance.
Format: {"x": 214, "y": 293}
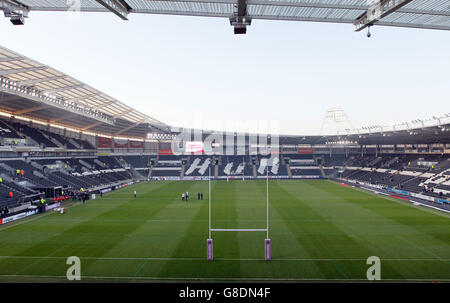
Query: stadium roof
{"x": 30, "y": 88}
{"x": 435, "y": 130}
{"x": 428, "y": 14}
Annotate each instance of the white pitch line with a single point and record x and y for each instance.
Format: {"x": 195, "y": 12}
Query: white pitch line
{"x": 239, "y": 229}
{"x": 218, "y": 279}
{"x": 203, "y": 259}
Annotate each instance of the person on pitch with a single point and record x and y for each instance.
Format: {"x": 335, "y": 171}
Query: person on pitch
{"x": 135, "y": 194}
{"x": 187, "y": 195}
{"x": 182, "y": 197}
{"x": 198, "y": 196}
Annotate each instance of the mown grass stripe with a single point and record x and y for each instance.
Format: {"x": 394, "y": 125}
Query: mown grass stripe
{"x": 157, "y": 237}
{"x": 140, "y": 268}
{"x": 339, "y": 269}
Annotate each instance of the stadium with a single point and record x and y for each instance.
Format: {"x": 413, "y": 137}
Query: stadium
{"x": 134, "y": 199}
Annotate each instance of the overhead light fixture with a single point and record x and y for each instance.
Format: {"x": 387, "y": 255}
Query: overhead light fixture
{"x": 17, "y": 20}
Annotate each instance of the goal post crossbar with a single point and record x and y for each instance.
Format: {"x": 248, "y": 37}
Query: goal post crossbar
{"x": 239, "y": 229}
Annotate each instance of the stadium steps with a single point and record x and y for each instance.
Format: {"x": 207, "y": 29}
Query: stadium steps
{"x": 150, "y": 172}
{"x": 56, "y": 142}
{"x": 122, "y": 162}
{"x": 322, "y": 172}
{"x": 7, "y": 179}
{"x": 390, "y": 162}
{"x": 37, "y": 165}
{"x": 12, "y": 189}
{"x": 353, "y": 173}
{"x": 76, "y": 184}
{"x": 85, "y": 164}
{"x": 62, "y": 181}
{"x": 25, "y": 190}
{"x": 14, "y": 129}
{"x": 32, "y": 182}
{"x": 182, "y": 171}
{"x": 75, "y": 143}
{"x": 442, "y": 178}
{"x": 7, "y": 167}
{"x": 288, "y": 169}
{"x": 41, "y": 176}
{"x": 412, "y": 179}
{"x": 443, "y": 165}
{"x": 99, "y": 163}
{"x": 375, "y": 161}
{"x": 133, "y": 174}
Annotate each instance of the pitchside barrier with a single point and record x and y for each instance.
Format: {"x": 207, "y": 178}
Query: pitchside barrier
{"x": 21, "y": 215}
{"x": 233, "y": 177}
{"x": 401, "y": 192}
{"x": 378, "y": 189}
{"x": 267, "y": 241}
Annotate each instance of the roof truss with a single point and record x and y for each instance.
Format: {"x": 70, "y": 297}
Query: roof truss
{"x": 378, "y": 11}
{"x": 129, "y": 127}
{"x": 427, "y": 14}
{"x": 91, "y": 126}
{"x": 40, "y": 80}
{"x": 13, "y": 7}
{"x": 21, "y": 70}
{"x": 60, "y": 89}
{"x": 115, "y": 6}
{"x": 30, "y": 109}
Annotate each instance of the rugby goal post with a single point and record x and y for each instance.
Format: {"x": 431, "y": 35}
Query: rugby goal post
{"x": 209, "y": 241}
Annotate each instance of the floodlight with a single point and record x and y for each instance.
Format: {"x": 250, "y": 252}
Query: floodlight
{"x": 240, "y": 30}
{"x": 17, "y": 20}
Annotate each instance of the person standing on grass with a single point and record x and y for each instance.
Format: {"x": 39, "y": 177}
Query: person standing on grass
{"x": 187, "y": 195}
{"x": 201, "y": 196}
{"x": 182, "y": 197}
{"x": 198, "y": 196}
{"x": 135, "y": 194}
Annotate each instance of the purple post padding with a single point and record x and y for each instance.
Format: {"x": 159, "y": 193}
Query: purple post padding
{"x": 268, "y": 254}
{"x": 209, "y": 249}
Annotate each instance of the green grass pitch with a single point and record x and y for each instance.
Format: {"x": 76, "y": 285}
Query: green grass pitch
{"x": 319, "y": 231}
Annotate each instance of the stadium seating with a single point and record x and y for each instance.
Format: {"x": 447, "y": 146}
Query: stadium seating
{"x": 412, "y": 173}
{"x": 273, "y": 164}
{"x": 304, "y": 166}
{"x": 34, "y": 134}
{"x": 198, "y": 166}
{"x": 30, "y": 174}
{"x": 167, "y": 166}
{"x": 20, "y": 130}
{"x": 138, "y": 161}
{"x": 82, "y": 143}
{"x": 406, "y": 172}
{"x": 8, "y": 132}
{"x": 235, "y": 166}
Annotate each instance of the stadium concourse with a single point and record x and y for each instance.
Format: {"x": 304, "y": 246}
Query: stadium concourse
{"x": 62, "y": 138}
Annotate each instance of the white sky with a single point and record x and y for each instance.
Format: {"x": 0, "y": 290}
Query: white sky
{"x": 182, "y": 70}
